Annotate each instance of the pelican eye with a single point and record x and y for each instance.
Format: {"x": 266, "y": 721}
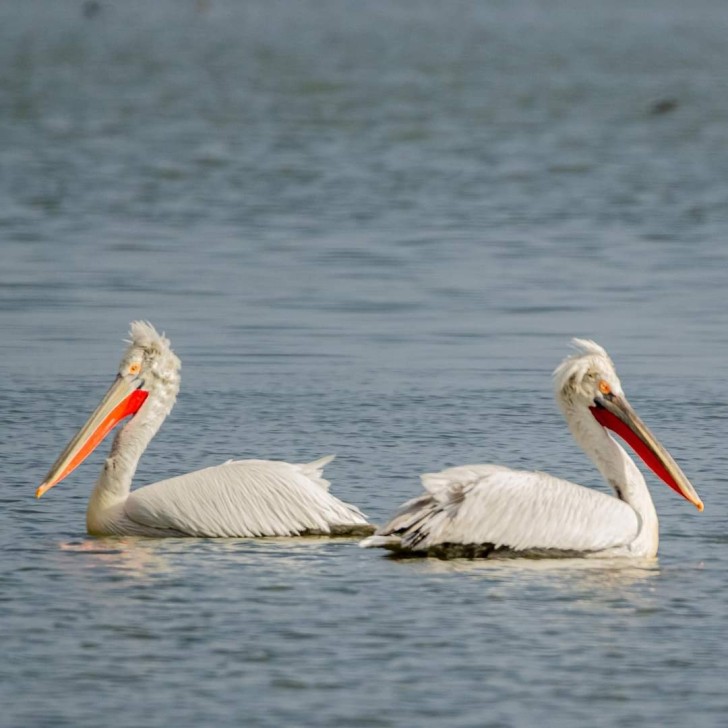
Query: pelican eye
{"x": 134, "y": 368}
{"x": 604, "y": 387}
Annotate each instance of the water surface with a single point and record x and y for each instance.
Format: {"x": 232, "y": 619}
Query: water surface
{"x": 370, "y": 230}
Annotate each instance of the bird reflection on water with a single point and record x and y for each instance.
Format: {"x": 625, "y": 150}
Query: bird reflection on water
{"x": 139, "y": 556}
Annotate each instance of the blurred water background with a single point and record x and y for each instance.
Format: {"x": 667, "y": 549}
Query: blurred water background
{"x": 369, "y": 229}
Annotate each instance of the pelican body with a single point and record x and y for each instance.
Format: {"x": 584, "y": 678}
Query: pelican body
{"x": 243, "y": 498}
{"x": 487, "y": 510}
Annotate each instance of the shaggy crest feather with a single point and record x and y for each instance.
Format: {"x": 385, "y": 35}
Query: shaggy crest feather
{"x": 159, "y": 358}
{"x": 587, "y": 346}
{"x": 588, "y": 355}
{"x": 145, "y": 336}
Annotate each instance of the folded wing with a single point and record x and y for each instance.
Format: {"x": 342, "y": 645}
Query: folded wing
{"x": 499, "y": 508}
{"x": 246, "y": 498}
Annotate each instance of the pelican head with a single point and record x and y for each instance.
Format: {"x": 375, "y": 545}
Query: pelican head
{"x": 150, "y": 359}
{"x": 583, "y": 376}
{"x": 588, "y": 381}
{"x": 147, "y": 382}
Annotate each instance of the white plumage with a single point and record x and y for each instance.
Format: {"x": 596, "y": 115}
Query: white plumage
{"x": 478, "y": 510}
{"x": 489, "y": 507}
{"x": 243, "y": 498}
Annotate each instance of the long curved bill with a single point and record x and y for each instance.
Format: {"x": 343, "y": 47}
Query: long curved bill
{"x": 122, "y": 399}
{"x": 615, "y": 412}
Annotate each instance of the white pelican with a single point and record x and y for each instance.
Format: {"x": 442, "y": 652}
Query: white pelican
{"x": 240, "y": 498}
{"x": 479, "y": 510}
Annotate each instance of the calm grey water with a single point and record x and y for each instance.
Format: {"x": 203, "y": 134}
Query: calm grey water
{"x": 369, "y": 229}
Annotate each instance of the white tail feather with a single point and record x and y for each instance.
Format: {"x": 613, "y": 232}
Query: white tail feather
{"x": 315, "y": 470}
